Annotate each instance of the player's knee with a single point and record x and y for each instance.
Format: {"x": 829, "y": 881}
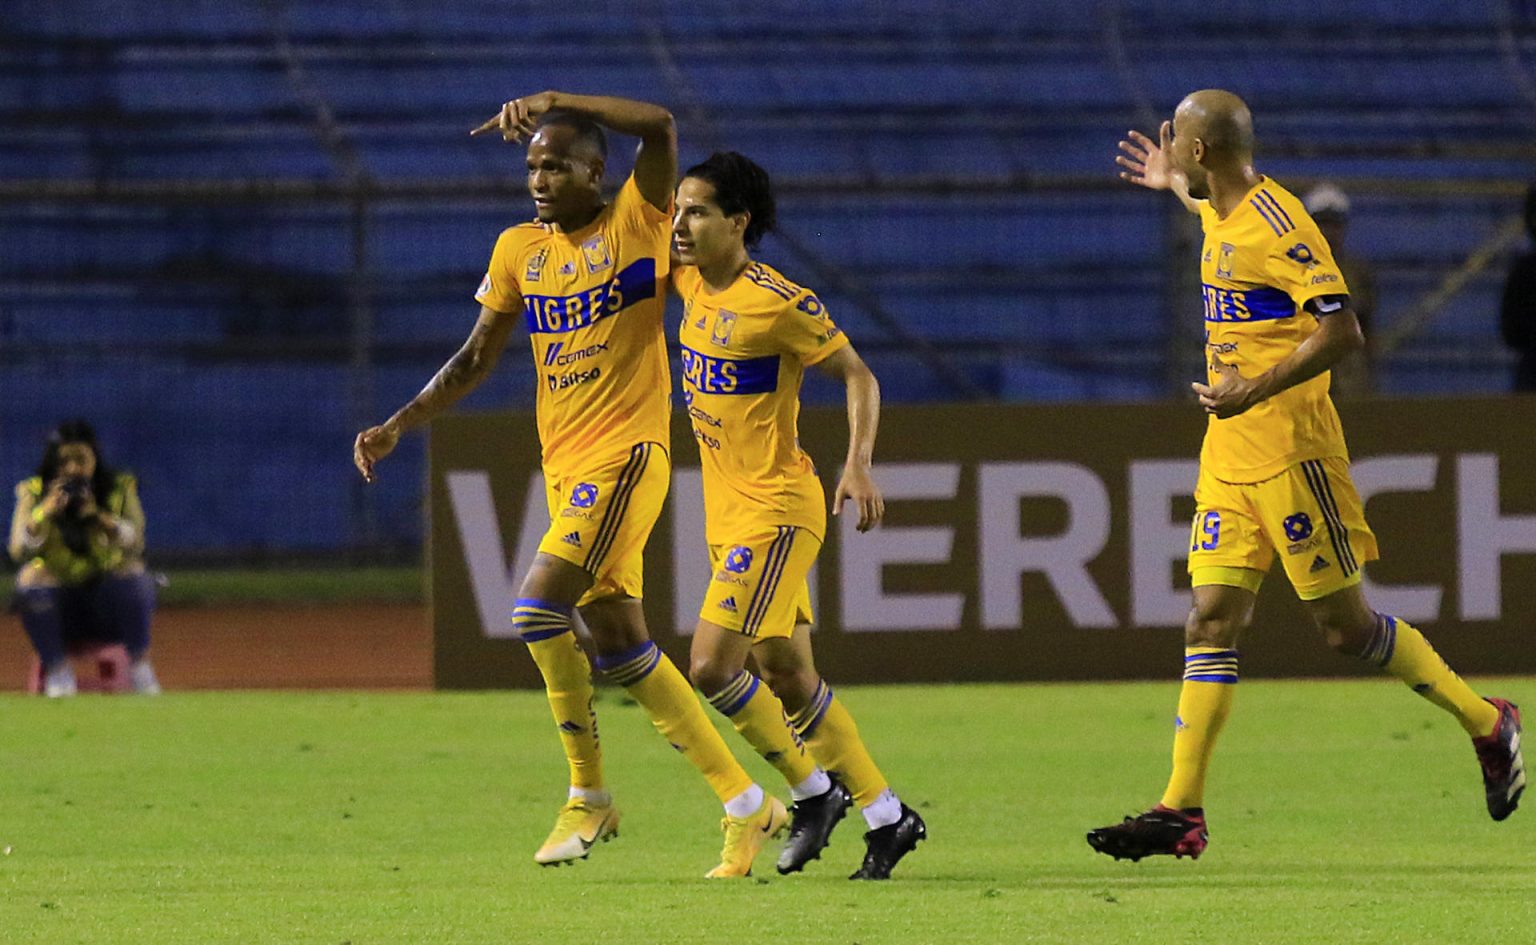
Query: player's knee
{"x": 711, "y": 672}
{"x": 1212, "y": 628}
{"x": 1345, "y": 636}
{"x": 794, "y": 685}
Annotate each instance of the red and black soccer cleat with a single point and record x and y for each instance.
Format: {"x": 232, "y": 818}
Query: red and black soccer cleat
{"x": 1161, "y": 830}
{"x": 1503, "y": 765}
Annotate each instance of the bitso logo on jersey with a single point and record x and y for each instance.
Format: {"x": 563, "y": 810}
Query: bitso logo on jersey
{"x": 584, "y": 495}
{"x": 738, "y": 559}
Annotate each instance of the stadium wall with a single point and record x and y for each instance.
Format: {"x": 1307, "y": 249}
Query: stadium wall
{"x": 1028, "y": 543}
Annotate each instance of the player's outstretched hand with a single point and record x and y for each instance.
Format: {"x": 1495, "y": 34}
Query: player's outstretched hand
{"x": 1231, "y": 395}
{"x": 519, "y": 118}
{"x": 857, "y": 484}
{"x": 1146, "y": 161}
{"x": 372, "y": 445}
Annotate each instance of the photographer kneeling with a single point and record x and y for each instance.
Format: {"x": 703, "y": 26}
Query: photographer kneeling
{"x": 78, "y": 537}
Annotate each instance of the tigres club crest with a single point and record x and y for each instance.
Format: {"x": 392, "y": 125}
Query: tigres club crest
{"x": 596, "y": 252}
{"x": 725, "y": 323}
{"x": 536, "y": 265}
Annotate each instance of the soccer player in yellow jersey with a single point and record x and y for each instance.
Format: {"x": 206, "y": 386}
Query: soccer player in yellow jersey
{"x": 1274, "y": 472}
{"x": 747, "y": 336}
{"x": 588, "y": 280}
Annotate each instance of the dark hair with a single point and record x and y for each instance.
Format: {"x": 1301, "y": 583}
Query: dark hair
{"x": 73, "y": 529}
{"x": 586, "y": 129}
{"x": 1530, "y": 210}
{"x": 740, "y": 187}
{"x": 77, "y": 431}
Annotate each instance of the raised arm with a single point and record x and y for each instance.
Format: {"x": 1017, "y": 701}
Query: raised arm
{"x": 462, "y": 374}
{"x": 858, "y": 481}
{"x": 655, "y": 162}
{"x": 1146, "y": 164}
{"x": 1337, "y": 335}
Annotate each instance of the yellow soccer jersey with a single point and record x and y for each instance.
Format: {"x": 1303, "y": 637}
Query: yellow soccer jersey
{"x": 1258, "y": 267}
{"x": 744, "y": 356}
{"x": 593, "y": 301}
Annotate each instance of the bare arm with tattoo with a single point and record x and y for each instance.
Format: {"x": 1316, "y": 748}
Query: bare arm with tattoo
{"x": 462, "y": 374}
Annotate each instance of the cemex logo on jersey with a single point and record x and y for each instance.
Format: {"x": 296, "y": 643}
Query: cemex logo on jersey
{"x": 557, "y": 356}
{"x": 738, "y": 559}
{"x": 584, "y": 495}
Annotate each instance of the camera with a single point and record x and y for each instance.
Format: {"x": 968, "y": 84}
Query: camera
{"x": 75, "y": 490}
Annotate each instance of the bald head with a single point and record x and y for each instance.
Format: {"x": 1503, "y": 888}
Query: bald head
{"x": 1219, "y": 119}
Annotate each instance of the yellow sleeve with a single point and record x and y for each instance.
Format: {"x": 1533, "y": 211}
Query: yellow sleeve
{"x": 633, "y": 211}
{"x": 805, "y": 329}
{"x": 26, "y": 501}
{"x": 1301, "y": 263}
{"x": 126, "y": 505}
{"x": 638, "y": 219}
{"x": 498, "y": 290}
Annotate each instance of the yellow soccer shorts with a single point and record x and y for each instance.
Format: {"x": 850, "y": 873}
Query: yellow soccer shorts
{"x": 759, "y": 587}
{"x": 600, "y": 520}
{"x": 1310, "y": 515}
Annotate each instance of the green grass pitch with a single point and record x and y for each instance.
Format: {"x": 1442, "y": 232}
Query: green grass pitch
{"x": 1341, "y": 812}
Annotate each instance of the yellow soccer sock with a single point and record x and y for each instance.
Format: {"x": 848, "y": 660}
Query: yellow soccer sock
{"x": 829, "y": 731}
{"x": 759, "y": 716}
{"x": 678, "y": 715}
{"x": 1402, "y": 651}
{"x": 1210, "y": 681}
{"x": 546, "y": 628}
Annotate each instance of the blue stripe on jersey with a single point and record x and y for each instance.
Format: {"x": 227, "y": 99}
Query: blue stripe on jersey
{"x": 730, "y": 375}
{"x": 1279, "y": 211}
{"x": 1246, "y": 305}
{"x": 1268, "y": 215}
{"x": 556, "y": 314}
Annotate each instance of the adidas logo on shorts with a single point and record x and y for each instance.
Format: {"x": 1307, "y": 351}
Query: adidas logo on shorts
{"x": 574, "y": 538}
{"x": 1318, "y": 564}
{"x": 728, "y": 605}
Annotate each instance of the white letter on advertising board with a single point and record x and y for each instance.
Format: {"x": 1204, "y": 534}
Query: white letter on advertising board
{"x": 1063, "y": 559}
{"x": 1383, "y": 474}
{"x": 1485, "y": 535}
{"x": 1159, "y": 544}
{"x": 866, "y": 605}
{"x": 494, "y": 585}
{"x": 690, "y": 553}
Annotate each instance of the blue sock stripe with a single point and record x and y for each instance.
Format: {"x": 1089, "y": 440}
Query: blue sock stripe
{"x": 805, "y": 726}
{"x": 553, "y": 606}
{"x": 1229, "y": 680}
{"x": 1383, "y": 641}
{"x": 533, "y": 623}
{"x": 733, "y": 697}
{"x": 632, "y": 665}
{"x": 1216, "y": 654}
{"x": 607, "y": 661}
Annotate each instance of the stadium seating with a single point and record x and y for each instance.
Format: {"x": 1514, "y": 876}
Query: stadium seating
{"x": 943, "y": 180}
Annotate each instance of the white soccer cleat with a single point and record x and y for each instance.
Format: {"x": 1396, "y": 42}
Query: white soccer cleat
{"x": 60, "y": 681}
{"x": 142, "y": 679}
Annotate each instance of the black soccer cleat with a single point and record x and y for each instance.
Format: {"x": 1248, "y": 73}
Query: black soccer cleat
{"x": 810, "y": 827}
{"x": 1161, "y": 830}
{"x": 1502, "y": 762}
{"x": 888, "y": 844}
